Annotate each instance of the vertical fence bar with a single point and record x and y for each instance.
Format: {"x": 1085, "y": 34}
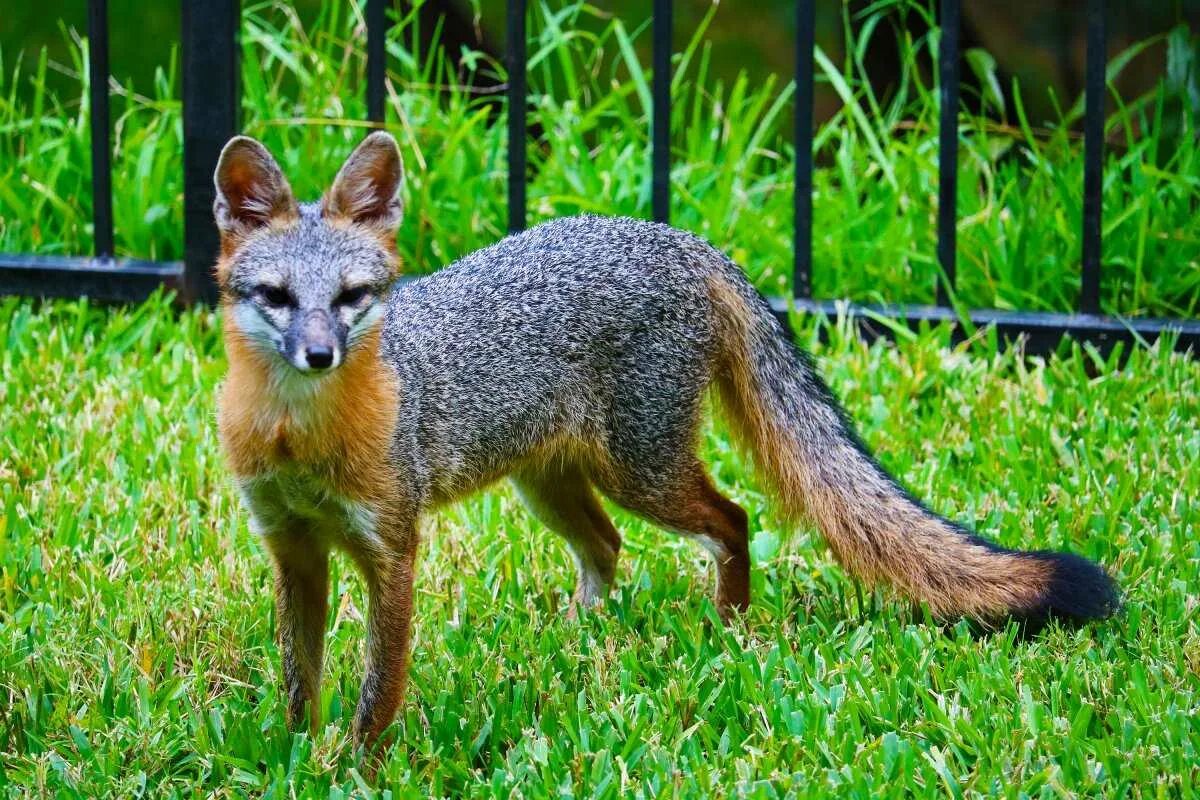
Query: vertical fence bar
{"x": 803, "y": 205}
{"x": 515, "y": 51}
{"x": 1093, "y": 156}
{"x": 948, "y": 149}
{"x": 102, "y": 220}
{"x": 211, "y": 82}
{"x": 376, "y": 58}
{"x": 661, "y": 117}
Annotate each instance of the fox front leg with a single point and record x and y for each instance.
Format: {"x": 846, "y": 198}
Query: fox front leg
{"x": 301, "y": 601}
{"x": 389, "y": 575}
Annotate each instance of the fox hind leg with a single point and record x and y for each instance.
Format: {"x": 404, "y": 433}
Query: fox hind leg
{"x": 687, "y": 502}
{"x": 562, "y": 497}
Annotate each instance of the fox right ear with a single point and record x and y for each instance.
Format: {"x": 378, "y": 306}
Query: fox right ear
{"x": 251, "y": 189}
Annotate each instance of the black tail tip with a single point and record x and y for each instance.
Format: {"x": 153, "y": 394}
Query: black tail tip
{"x": 1078, "y": 591}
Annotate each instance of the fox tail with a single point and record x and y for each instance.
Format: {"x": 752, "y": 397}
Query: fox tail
{"x": 808, "y": 451}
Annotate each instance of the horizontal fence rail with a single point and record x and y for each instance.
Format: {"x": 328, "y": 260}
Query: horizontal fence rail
{"x": 211, "y": 78}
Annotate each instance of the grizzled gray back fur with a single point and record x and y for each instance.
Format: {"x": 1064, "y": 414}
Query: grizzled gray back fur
{"x": 590, "y": 328}
{"x": 609, "y": 331}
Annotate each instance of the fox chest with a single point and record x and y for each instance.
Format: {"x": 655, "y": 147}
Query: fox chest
{"x": 294, "y": 503}
{"x": 329, "y": 438}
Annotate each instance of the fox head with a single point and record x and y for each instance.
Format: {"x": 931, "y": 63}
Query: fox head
{"x": 303, "y": 283}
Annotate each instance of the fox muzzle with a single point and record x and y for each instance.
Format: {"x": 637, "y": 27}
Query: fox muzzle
{"x": 312, "y": 344}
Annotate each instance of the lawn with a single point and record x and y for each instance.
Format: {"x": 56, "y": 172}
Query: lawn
{"x": 136, "y": 615}
{"x": 137, "y": 650}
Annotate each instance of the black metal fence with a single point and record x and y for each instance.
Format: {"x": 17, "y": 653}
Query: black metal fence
{"x": 210, "y": 116}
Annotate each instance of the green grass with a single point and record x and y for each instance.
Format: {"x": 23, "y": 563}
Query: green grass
{"x": 136, "y": 649}
{"x": 875, "y": 206}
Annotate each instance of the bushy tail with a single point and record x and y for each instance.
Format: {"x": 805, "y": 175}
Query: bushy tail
{"x": 808, "y": 450}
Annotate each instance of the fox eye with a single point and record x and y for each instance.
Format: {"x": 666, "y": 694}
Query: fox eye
{"x": 274, "y": 296}
{"x": 351, "y": 296}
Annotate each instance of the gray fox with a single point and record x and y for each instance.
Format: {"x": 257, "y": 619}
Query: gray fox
{"x": 573, "y": 358}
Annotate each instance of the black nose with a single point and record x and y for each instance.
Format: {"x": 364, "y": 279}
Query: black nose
{"x": 319, "y": 356}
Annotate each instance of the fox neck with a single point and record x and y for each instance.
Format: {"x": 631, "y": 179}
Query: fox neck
{"x": 337, "y": 426}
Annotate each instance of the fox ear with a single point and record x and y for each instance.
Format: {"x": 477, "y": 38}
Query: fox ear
{"x": 367, "y": 187}
{"x": 251, "y": 189}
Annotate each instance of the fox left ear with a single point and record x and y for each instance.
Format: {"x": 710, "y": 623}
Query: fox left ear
{"x": 367, "y": 187}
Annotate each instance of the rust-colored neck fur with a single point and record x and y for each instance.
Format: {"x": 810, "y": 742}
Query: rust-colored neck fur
{"x": 338, "y": 430}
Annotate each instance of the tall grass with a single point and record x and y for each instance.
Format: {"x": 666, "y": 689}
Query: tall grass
{"x": 1020, "y": 180}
